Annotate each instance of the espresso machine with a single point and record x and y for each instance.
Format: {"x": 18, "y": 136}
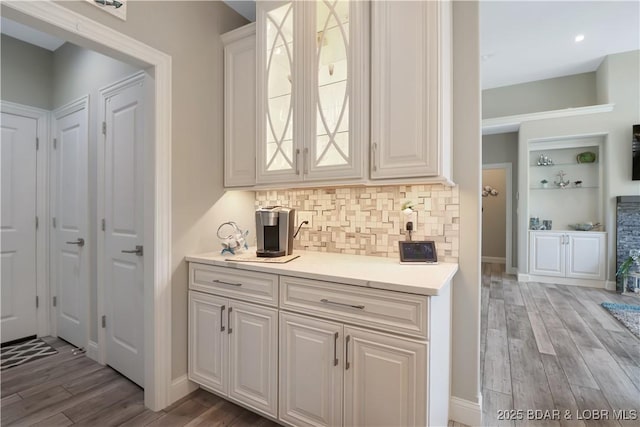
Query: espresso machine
{"x": 274, "y": 229}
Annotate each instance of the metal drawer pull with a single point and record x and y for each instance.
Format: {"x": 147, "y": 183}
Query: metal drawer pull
{"x": 226, "y": 283}
{"x": 79, "y": 242}
{"x": 326, "y": 301}
{"x": 374, "y": 146}
{"x": 297, "y": 161}
{"x": 335, "y": 349}
{"x": 138, "y": 251}
{"x": 229, "y": 330}
{"x": 346, "y": 359}
{"x": 222, "y": 318}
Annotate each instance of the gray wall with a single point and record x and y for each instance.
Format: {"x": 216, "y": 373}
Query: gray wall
{"x": 26, "y": 73}
{"x": 78, "y": 72}
{"x": 467, "y": 174}
{"x": 494, "y": 214}
{"x": 552, "y": 94}
{"x": 619, "y": 76}
{"x": 503, "y": 148}
{"x": 189, "y": 31}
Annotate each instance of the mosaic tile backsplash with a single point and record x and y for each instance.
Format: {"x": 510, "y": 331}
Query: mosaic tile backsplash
{"x": 368, "y": 220}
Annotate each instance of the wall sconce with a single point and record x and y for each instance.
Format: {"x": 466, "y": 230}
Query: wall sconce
{"x": 489, "y": 191}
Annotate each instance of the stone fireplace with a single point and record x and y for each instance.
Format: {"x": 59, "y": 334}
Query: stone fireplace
{"x": 627, "y": 229}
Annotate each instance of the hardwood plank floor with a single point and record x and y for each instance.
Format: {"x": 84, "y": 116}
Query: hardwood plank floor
{"x": 564, "y": 352}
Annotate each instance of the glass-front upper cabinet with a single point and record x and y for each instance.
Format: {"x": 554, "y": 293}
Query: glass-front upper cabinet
{"x": 312, "y": 90}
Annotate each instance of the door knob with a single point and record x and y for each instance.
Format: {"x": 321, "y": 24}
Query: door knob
{"x": 79, "y": 242}
{"x": 138, "y": 251}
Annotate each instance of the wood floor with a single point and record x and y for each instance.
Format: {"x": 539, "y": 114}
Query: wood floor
{"x": 543, "y": 347}
{"x": 546, "y": 347}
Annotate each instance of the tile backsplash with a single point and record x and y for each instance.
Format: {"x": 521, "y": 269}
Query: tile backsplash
{"x": 368, "y": 220}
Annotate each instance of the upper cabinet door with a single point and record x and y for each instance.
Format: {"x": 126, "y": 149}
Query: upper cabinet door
{"x": 336, "y": 70}
{"x": 279, "y": 91}
{"x": 410, "y": 90}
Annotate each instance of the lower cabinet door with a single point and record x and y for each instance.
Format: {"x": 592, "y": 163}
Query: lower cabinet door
{"x": 253, "y": 356}
{"x": 311, "y": 364}
{"x": 385, "y": 380}
{"x": 586, "y": 257}
{"x": 547, "y": 253}
{"x": 208, "y": 341}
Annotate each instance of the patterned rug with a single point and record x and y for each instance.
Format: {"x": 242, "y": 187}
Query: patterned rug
{"x": 627, "y": 314}
{"x": 26, "y": 351}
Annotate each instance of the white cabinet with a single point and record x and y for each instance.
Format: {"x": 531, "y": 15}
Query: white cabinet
{"x": 385, "y": 380}
{"x": 233, "y": 350}
{"x": 311, "y": 370}
{"x": 312, "y": 90}
{"x": 574, "y": 255}
{"x": 411, "y": 89}
{"x": 378, "y": 378}
{"x": 240, "y": 107}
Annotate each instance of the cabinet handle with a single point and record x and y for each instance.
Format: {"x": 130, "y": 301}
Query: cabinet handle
{"x": 374, "y": 146}
{"x": 335, "y": 349}
{"x": 229, "y": 330}
{"x": 305, "y": 165}
{"x": 226, "y": 283}
{"x": 222, "y": 318}
{"x": 297, "y": 161}
{"x": 326, "y": 301}
{"x": 346, "y": 359}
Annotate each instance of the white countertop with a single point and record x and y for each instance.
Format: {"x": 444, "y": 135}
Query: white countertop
{"x": 357, "y": 270}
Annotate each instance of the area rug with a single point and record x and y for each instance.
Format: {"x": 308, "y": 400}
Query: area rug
{"x": 26, "y": 351}
{"x": 627, "y": 314}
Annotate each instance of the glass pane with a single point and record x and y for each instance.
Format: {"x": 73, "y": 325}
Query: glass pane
{"x": 332, "y": 29}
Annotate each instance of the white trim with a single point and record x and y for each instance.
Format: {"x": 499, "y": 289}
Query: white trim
{"x": 465, "y": 411}
{"x": 494, "y": 259}
{"x": 512, "y": 123}
{"x": 180, "y": 387}
{"x": 508, "y": 172}
{"x": 587, "y": 283}
{"x": 43, "y": 118}
{"x": 87, "y": 32}
{"x": 93, "y": 351}
{"x": 610, "y": 285}
{"x": 105, "y": 93}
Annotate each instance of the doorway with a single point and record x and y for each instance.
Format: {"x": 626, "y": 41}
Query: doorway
{"x": 497, "y": 214}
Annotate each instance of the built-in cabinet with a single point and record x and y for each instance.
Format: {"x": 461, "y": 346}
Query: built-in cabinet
{"x": 317, "y": 117}
{"x": 574, "y": 255}
{"x": 410, "y": 93}
{"x": 316, "y": 353}
{"x": 239, "y": 107}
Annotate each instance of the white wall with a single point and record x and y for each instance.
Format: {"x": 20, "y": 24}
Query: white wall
{"x": 189, "y": 31}
{"x": 494, "y": 214}
{"x": 619, "y": 75}
{"x": 467, "y": 157}
{"x": 551, "y": 94}
{"x": 503, "y": 148}
{"x": 26, "y": 73}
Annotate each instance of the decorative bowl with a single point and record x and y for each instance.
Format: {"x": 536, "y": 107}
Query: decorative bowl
{"x": 584, "y": 226}
{"x": 586, "y": 157}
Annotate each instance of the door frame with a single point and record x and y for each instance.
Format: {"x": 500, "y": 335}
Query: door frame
{"x": 86, "y": 32}
{"x": 508, "y": 175}
{"x": 42, "y": 117}
{"x": 105, "y": 93}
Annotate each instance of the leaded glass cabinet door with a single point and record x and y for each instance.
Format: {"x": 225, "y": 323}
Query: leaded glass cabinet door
{"x": 336, "y": 95}
{"x": 279, "y": 112}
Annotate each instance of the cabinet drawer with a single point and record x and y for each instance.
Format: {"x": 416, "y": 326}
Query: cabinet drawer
{"x": 230, "y": 282}
{"x": 386, "y": 310}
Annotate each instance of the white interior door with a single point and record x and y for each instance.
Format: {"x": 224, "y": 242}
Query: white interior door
{"x": 70, "y": 250}
{"x": 18, "y": 227}
{"x": 123, "y": 226}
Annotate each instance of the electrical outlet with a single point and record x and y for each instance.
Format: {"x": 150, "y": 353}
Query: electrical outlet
{"x": 305, "y": 216}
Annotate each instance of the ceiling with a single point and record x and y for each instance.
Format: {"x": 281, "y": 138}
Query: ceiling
{"x": 29, "y": 35}
{"x": 523, "y": 41}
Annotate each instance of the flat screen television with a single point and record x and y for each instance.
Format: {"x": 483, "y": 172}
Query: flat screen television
{"x": 635, "y": 148}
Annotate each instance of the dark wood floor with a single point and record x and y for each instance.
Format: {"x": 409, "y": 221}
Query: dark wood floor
{"x": 67, "y": 389}
{"x": 554, "y": 347}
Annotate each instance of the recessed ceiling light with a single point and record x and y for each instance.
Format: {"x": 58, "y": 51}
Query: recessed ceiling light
{"x": 579, "y": 38}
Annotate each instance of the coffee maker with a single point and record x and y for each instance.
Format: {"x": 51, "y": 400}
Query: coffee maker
{"x": 274, "y": 228}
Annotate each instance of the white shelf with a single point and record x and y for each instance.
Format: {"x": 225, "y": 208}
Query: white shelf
{"x": 566, "y": 188}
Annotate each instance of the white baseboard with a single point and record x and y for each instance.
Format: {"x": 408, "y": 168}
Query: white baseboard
{"x": 92, "y": 351}
{"x": 180, "y": 387}
{"x": 494, "y": 259}
{"x": 465, "y": 412}
{"x": 610, "y": 286}
{"x": 601, "y": 284}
